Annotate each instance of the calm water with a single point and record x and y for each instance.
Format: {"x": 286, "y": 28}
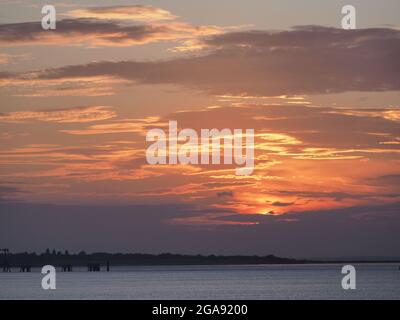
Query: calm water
{"x": 379, "y": 281}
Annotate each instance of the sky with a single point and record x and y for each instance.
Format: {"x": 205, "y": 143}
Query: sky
{"x": 77, "y": 102}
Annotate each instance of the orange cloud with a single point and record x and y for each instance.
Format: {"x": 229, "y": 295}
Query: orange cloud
{"x": 4, "y": 58}
{"x": 301, "y": 164}
{"x": 29, "y": 85}
{"x": 386, "y": 113}
{"x": 134, "y": 126}
{"x": 12, "y": 58}
{"x": 131, "y": 13}
{"x": 70, "y": 115}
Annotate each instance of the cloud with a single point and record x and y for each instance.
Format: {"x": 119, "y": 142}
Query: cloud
{"x": 4, "y": 58}
{"x": 356, "y": 231}
{"x": 6, "y": 75}
{"x": 282, "y": 204}
{"x": 126, "y": 126}
{"x": 306, "y": 158}
{"x": 92, "y": 32}
{"x": 386, "y": 113}
{"x": 307, "y": 60}
{"x": 8, "y": 193}
{"x": 295, "y": 130}
{"x": 390, "y": 179}
{"x": 12, "y": 58}
{"x": 69, "y": 115}
{"x": 225, "y": 194}
{"x": 132, "y": 13}
{"x": 28, "y": 85}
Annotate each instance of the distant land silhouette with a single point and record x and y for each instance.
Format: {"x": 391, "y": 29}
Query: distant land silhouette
{"x": 58, "y": 258}
{"x": 133, "y": 259}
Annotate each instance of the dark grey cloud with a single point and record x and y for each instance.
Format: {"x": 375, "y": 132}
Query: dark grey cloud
{"x": 6, "y": 75}
{"x": 301, "y": 37}
{"x": 390, "y": 179}
{"x": 225, "y": 194}
{"x": 8, "y": 192}
{"x": 282, "y": 204}
{"x": 73, "y": 31}
{"x": 338, "y": 196}
{"x": 306, "y": 60}
{"x": 356, "y": 231}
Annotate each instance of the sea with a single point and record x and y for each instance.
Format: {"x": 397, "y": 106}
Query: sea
{"x": 232, "y": 282}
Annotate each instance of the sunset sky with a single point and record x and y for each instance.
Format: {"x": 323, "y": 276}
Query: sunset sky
{"x": 77, "y": 102}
